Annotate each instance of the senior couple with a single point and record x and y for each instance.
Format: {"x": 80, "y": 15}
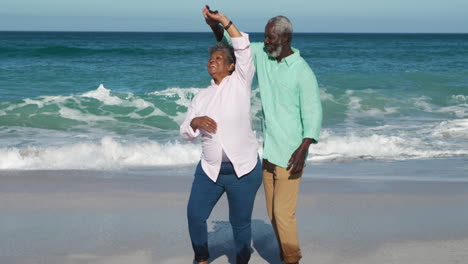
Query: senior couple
{"x": 229, "y": 163}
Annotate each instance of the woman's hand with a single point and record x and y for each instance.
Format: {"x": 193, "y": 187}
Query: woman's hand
{"x": 205, "y": 123}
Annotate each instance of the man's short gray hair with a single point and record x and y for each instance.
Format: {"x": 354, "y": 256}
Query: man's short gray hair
{"x": 282, "y": 26}
{"x": 227, "y": 49}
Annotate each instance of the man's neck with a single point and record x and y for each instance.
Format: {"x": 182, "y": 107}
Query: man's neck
{"x": 285, "y": 52}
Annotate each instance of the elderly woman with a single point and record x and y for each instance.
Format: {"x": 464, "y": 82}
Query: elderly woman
{"x": 229, "y": 161}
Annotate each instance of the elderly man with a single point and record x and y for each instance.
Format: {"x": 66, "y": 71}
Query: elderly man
{"x": 292, "y": 119}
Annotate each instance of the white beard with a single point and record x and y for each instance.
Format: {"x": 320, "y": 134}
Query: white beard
{"x": 275, "y": 53}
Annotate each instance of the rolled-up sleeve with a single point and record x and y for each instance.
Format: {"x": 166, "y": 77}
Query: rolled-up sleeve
{"x": 310, "y": 104}
{"x": 244, "y": 60}
{"x": 186, "y": 130}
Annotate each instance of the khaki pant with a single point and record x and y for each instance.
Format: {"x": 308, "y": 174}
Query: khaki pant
{"x": 281, "y": 192}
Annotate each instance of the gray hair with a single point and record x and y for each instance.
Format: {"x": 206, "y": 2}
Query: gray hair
{"x": 227, "y": 49}
{"x": 282, "y": 26}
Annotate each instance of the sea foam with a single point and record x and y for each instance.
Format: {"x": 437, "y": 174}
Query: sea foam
{"x": 457, "y": 128}
{"x": 112, "y": 153}
{"x": 334, "y": 147}
{"x": 103, "y": 129}
{"x": 108, "y": 154}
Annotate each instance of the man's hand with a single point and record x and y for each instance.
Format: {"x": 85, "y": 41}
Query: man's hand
{"x": 211, "y": 11}
{"x": 211, "y": 22}
{"x": 213, "y": 18}
{"x": 205, "y": 123}
{"x": 297, "y": 161}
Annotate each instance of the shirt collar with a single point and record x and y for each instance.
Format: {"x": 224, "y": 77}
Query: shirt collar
{"x": 213, "y": 84}
{"x": 289, "y": 60}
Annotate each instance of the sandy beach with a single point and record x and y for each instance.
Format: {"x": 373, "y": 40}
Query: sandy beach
{"x": 347, "y": 213}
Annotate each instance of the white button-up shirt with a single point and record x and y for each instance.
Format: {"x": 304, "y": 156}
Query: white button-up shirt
{"x": 228, "y": 104}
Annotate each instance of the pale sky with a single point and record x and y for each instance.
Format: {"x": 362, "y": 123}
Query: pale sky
{"x": 421, "y": 16}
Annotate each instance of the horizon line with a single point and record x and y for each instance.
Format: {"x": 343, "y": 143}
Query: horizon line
{"x": 298, "y": 32}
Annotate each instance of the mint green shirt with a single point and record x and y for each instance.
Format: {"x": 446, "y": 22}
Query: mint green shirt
{"x": 291, "y": 103}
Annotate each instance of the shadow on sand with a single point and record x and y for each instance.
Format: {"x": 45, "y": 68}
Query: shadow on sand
{"x": 221, "y": 243}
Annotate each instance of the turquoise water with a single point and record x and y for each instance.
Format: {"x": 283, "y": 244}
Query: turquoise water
{"x": 105, "y": 100}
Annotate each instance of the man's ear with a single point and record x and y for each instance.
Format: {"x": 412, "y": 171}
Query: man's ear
{"x": 232, "y": 67}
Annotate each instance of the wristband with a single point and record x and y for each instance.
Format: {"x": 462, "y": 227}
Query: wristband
{"x": 228, "y": 25}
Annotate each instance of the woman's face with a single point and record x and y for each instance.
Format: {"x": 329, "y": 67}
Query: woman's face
{"x": 217, "y": 65}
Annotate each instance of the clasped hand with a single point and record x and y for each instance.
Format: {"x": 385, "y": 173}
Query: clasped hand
{"x": 204, "y": 122}
{"x": 213, "y": 18}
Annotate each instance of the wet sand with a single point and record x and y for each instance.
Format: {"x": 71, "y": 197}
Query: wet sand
{"x": 347, "y": 213}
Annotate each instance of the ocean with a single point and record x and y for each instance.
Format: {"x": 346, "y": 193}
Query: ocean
{"x": 107, "y": 101}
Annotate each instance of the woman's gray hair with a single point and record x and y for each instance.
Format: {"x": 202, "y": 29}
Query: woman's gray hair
{"x": 227, "y": 49}
{"x": 282, "y": 26}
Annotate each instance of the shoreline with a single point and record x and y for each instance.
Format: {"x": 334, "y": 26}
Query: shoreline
{"x": 453, "y": 169}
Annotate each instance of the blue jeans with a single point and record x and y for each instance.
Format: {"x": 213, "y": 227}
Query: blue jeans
{"x": 240, "y": 194}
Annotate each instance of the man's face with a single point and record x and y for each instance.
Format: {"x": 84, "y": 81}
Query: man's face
{"x": 273, "y": 41}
